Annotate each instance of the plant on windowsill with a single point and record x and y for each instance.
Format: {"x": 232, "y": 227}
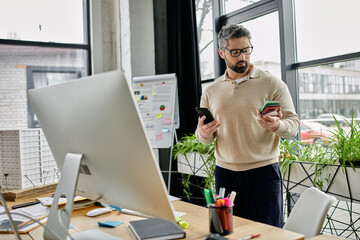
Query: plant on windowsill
{"x": 346, "y": 146}
{"x": 292, "y": 150}
{"x": 331, "y": 167}
{"x": 319, "y": 164}
{"x": 195, "y": 159}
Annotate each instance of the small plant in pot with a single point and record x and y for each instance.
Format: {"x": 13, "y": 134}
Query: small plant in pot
{"x": 292, "y": 150}
{"x": 346, "y": 145}
{"x": 189, "y": 144}
{"x": 343, "y": 148}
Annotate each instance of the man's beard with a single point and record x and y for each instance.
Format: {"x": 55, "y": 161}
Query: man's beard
{"x": 241, "y": 69}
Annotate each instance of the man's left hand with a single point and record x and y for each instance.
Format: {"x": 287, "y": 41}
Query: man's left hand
{"x": 270, "y": 122}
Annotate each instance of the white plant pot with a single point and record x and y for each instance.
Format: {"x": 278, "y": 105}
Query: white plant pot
{"x": 344, "y": 184}
{"x": 192, "y": 163}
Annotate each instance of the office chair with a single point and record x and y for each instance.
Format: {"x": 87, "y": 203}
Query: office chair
{"x": 308, "y": 215}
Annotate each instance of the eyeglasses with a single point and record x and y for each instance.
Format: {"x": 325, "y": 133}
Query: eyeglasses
{"x": 237, "y": 52}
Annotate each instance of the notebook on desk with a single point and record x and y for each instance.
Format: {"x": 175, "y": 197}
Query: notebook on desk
{"x": 24, "y": 224}
{"x": 156, "y": 229}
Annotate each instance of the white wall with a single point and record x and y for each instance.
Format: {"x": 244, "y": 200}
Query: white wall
{"x": 123, "y": 36}
{"x": 104, "y": 27}
{"x": 142, "y": 38}
{"x": 132, "y": 31}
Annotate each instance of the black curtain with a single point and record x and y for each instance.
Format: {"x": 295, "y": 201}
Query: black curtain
{"x": 184, "y": 60}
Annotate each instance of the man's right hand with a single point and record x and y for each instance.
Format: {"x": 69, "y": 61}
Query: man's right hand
{"x": 206, "y": 130}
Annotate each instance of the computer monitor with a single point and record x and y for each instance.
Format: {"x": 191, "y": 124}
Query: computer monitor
{"x": 97, "y": 116}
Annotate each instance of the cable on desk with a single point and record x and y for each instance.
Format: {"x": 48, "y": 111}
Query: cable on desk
{"x": 7, "y": 212}
{"x": 62, "y": 224}
{"x": 65, "y": 228}
{"x": 87, "y": 203}
{"x": 35, "y": 220}
{"x": 60, "y": 220}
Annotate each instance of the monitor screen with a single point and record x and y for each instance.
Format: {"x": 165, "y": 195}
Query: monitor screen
{"x": 97, "y": 116}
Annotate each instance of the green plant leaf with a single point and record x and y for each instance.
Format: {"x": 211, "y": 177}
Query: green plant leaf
{"x": 189, "y": 144}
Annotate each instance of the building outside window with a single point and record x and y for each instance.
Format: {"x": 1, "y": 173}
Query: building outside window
{"x": 265, "y": 39}
{"x": 332, "y": 91}
{"x": 36, "y": 45}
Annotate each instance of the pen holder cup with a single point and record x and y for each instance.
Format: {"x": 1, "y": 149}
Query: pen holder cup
{"x": 221, "y": 220}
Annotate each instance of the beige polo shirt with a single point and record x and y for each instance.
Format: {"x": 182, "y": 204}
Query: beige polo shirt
{"x": 241, "y": 143}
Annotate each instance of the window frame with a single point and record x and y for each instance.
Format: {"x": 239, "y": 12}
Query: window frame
{"x": 84, "y": 46}
{"x": 289, "y": 63}
{"x": 30, "y": 70}
{"x": 286, "y": 31}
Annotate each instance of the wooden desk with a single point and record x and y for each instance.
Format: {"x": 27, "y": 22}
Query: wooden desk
{"x": 196, "y": 216}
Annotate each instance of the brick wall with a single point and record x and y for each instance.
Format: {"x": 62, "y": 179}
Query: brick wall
{"x": 13, "y": 82}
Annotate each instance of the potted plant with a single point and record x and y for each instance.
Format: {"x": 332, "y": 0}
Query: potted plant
{"x": 325, "y": 173}
{"x": 331, "y": 167}
{"x": 315, "y": 158}
{"x": 195, "y": 159}
{"x": 346, "y": 145}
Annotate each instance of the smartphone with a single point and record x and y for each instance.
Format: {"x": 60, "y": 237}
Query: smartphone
{"x": 205, "y": 111}
{"x": 270, "y": 107}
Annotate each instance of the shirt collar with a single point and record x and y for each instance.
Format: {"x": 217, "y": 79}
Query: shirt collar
{"x": 254, "y": 73}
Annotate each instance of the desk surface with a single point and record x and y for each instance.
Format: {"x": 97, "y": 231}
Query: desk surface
{"x": 196, "y": 216}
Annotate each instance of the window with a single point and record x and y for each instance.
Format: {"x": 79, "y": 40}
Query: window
{"x": 38, "y": 77}
{"x": 328, "y": 50}
{"x": 265, "y": 39}
{"x": 59, "y": 21}
{"x": 321, "y": 51}
{"x": 39, "y": 49}
{"x": 232, "y": 5}
{"x": 326, "y": 28}
{"x": 335, "y": 97}
{"x": 267, "y": 25}
{"x": 205, "y": 38}
{"x": 320, "y": 59}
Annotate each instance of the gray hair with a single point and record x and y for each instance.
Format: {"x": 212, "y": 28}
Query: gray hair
{"x": 231, "y": 31}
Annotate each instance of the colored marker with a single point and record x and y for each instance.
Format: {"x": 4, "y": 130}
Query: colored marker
{"x": 232, "y": 197}
{"x": 227, "y": 202}
{"x": 220, "y": 202}
{"x": 135, "y": 213}
{"x": 209, "y": 196}
{"x": 222, "y": 192}
{"x": 251, "y": 236}
{"x": 182, "y": 223}
{"x": 25, "y": 204}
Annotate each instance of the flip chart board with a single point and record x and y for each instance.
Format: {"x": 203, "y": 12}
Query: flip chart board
{"x": 156, "y": 97}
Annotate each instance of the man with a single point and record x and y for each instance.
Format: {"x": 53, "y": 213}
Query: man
{"x": 247, "y": 143}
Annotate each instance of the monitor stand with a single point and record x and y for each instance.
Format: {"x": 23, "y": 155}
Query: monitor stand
{"x": 59, "y": 220}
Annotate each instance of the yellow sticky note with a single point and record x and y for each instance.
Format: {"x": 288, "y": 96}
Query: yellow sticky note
{"x": 138, "y": 99}
{"x": 154, "y": 93}
{"x": 159, "y": 115}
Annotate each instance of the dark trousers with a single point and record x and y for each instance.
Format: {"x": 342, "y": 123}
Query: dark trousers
{"x": 258, "y": 192}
